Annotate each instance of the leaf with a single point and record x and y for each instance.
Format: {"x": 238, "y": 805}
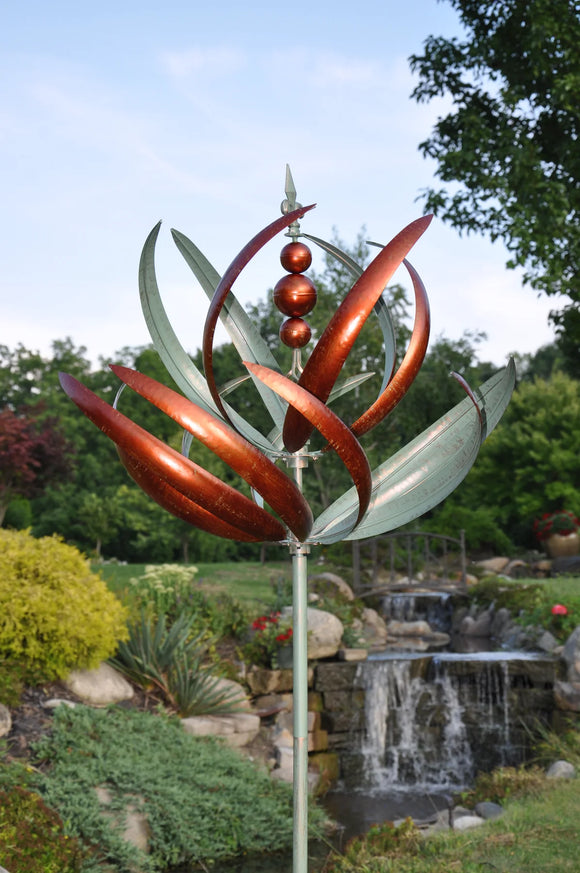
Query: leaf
{"x": 178, "y": 363}
{"x": 242, "y": 331}
{"x": 422, "y": 473}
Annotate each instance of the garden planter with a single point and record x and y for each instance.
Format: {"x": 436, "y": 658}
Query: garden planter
{"x": 560, "y": 546}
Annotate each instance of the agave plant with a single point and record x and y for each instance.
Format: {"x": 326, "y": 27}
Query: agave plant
{"x": 170, "y": 662}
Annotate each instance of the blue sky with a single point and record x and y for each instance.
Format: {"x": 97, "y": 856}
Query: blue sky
{"x": 116, "y": 115}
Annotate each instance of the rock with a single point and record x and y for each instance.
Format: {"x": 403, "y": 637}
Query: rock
{"x": 374, "y": 628}
{"x": 332, "y": 583}
{"x": 135, "y": 825}
{"x": 326, "y": 766}
{"x": 465, "y": 822}
{"x": 236, "y": 694}
{"x": 517, "y": 569}
{"x": 494, "y": 565}
{"x": 352, "y": 654}
{"x": 547, "y": 642}
{"x": 565, "y": 565}
{"x": 501, "y": 623}
{"x": 208, "y": 725}
{"x": 561, "y": 770}
{"x": 571, "y": 655}
{"x": 567, "y": 696}
{"x": 99, "y": 687}
{"x": 5, "y": 720}
{"x": 55, "y": 702}
{"x": 236, "y": 730}
{"x": 409, "y": 629}
{"x": 263, "y": 681}
{"x": 488, "y": 810}
{"x": 477, "y": 627}
{"x": 324, "y": 632}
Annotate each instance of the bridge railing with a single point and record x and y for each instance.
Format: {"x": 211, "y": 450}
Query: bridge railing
{"x": 402, "y": 552}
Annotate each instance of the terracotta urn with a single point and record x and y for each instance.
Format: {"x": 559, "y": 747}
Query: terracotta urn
{"x": 560, "y": 546}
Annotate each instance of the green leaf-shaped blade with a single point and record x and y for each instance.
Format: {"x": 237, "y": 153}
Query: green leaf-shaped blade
{"x": 177, "y": 361}
{"x": 242, "y": 332}
{"x": 380, "y": 308}
{"x": 422, "y": 473}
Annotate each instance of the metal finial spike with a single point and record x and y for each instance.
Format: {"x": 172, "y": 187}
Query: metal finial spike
{"x": 290, "y": 189}
{"x": 290, "y": 203}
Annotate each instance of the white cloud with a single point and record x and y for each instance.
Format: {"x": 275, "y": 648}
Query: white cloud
{"x": 213, "y": 62}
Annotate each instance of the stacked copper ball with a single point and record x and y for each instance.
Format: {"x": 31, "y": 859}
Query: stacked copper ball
{"x": 295, "y": 295}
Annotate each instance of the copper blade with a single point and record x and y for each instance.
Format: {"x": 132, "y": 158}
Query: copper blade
{"x": 177, "y": 504}
{"x": 339, "y": 436}
{"x": 326, "y": 361}
{"x": 410, "y": 365}
{"x": 224, "y": 288}
{"x": 277, "y": 489}
{"x": 190, "y": 479}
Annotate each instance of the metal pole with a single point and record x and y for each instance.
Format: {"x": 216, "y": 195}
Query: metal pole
{"x": 300, "y": 659}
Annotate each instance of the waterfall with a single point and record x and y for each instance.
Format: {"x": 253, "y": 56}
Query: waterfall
{"x": 436, "y": 608}
{"x": 414, "y": 731}
{"x": 432, "y": 721}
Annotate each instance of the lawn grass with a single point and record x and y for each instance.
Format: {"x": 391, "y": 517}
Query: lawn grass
{"x": 251, "y": 582}
{"x": 535, "y": 835}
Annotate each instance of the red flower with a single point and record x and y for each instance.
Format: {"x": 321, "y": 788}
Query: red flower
{"x": 559, "y": 609}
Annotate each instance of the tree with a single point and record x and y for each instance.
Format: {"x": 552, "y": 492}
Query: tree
{"x": 32, "y": 454}
{"x": 511, "y": 140}
{"x": 529, "y": 465}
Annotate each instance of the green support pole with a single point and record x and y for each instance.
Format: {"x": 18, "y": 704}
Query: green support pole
{"x": 300, "y": 658}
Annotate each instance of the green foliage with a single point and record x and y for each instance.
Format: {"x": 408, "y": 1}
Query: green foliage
{"x": 32, "y": 836}
{"x": 506, "y": 783}
{"x": 510, "y": 140}
{"x": 531, "y": 604}
{"x": 550, "y": 746}
{"x": 54, "y": 612}
{"x": 170, "y": 663}
{"x": 203, "y": 801}
{"x": 162, "y": 588}
{"x": 563, "y": 522}
{"x": 267, "y": 635}
{"x": 528, "y": 465}
{"x": 382, "y": 843}
{"x": 479, "y": 525}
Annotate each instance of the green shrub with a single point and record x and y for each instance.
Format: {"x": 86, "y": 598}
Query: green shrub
{"x": 54, "y": 613}
{"x": 32, "y": 837}
{"x": 203, "y": 801}
{"x": 505, "y": 783}
{"x": 381, "y": 842}
{"x": 169, "y": 662}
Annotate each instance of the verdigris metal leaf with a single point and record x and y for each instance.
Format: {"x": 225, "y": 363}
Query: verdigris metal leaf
{"x": 424, "y": 472}
{"x": 177, "y": 361}
{"x": 242, "y": 331}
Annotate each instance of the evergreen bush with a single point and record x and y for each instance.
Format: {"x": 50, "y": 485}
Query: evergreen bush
{"x": 55, "y": 615}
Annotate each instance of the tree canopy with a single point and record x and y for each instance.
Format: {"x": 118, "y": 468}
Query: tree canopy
{"x": 508, "y": 151}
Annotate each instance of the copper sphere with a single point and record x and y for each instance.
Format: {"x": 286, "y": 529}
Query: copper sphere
{"x": 295, "y": 333}
{"x": 295, "y": 295}
{"x": 296, "y": 257}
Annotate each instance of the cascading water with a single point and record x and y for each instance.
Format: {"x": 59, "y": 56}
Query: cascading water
{"x": 432, "y": 721}
{"x": 436, "y": 608}
{"x": 396, "y": 751}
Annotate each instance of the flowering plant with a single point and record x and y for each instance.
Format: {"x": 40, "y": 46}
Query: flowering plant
{"x": 267, "y": 635}
{"x": 562, "y": 522}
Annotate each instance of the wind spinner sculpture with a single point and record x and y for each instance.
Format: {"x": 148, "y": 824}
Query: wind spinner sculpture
{"x": 402, "y": 488}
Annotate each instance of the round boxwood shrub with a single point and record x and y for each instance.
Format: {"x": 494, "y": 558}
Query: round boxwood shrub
{"x": 55, "y": 614}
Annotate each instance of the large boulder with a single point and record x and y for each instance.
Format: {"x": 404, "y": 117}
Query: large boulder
{"x": 99, "y": 687}
{"x": 333, "y": 584}
{"x": 571, "y": 655}
{"x": 324, "y": 632}
{"x": 374, "y": 628}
